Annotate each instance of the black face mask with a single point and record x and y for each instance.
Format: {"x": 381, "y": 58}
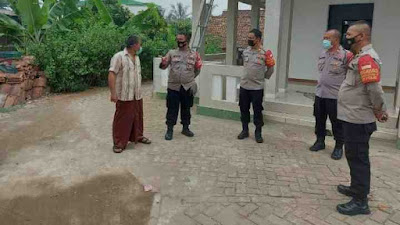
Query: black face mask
{"x": 350, "y": 42}
{"x": 251, "y": 43}
{"x": 181, "y": 44}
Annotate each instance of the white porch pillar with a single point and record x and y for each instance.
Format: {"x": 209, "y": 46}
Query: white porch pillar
{"x": 231, "y": 51}
{"x": 285, "y": 39}
{"x": 255, "y": 14}
{"x": 196, "y": 14}
{"x": 272, "y": 29}
{"x": 397, "y": 93}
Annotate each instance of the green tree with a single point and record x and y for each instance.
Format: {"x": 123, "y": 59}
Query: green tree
{"x": 37, "y": 18}
{"x": 181, "y": 26}
{"x": 178, "y": 12}
{"x": 156, "y": 35}
{"x": 161, "y": 10}
{"x": 98, "y": 7}
{"x": 150, "y": 22}
{"x": 119, "y": 14}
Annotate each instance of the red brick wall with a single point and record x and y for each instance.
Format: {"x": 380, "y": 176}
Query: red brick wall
{"x": 217, "y": 26}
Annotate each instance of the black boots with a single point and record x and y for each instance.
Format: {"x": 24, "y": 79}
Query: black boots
{"x": 170, "y": 133}
{"x": 245, "y": 132}
{"x": 318, "y": 145}
{"x": 186, "y": 131}
{"x": 337, "y": 151}
{"x": 258, "y": 135}
{"x": 356, "y": 206}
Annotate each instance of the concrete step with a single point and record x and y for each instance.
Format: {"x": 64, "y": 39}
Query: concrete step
{"x": 303, "y": 110}
{"x": 382, "y": 133}
{"x": 289, "y": 108}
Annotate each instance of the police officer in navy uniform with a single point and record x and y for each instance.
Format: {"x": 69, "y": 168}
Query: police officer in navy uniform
{"x": 332, "y": 68}
{"x": 360, "y": 104}
{"x": 259, "y": 65}
{"x": 185, "y": 65}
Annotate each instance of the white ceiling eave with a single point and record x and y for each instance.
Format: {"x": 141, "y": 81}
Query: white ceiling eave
{"x": 249, "y": 2}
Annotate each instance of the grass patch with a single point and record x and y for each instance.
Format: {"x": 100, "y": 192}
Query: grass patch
{"x": 10, "y": 109}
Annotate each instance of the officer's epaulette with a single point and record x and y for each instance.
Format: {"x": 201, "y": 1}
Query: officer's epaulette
{"x": 262, "y": 50}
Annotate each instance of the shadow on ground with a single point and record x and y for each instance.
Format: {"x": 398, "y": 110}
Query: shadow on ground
{"x": 105, "y": 199}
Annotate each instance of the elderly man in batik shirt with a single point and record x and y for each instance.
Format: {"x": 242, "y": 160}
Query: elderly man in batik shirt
{"x": 125, "y": 86}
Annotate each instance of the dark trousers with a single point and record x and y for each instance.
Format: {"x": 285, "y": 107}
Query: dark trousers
{"x": 357, "y": 154}
{"x": 324, "y": 107}
{"x": 254, "y": 97}
{"x": 174, "y": 99}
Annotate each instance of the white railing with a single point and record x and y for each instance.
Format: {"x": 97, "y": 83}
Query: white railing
{"x": 225, "y": 88}
{"x": 219, "y": 87}
{"x": 160, "y": 77}
{"x": 215, "y": 57}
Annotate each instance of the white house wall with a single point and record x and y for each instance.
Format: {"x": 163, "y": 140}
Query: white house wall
{"x": 135, "y": 9}
{"x": 386, "y": 37}
{"x": 310, "y": 21}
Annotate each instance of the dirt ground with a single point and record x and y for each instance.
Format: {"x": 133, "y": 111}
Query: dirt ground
{"x": 43, "y": 128}
{"x": 57, "y": 167}
{"x": 115, "y": 198}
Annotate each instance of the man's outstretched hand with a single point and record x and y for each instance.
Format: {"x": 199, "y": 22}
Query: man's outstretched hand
{"x": 382, "y": 117}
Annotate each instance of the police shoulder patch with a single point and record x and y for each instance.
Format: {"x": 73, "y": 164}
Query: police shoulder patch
{"x": 199, "y": 62}
{"x": 369, "y": 69}
{"x": 269, "y": 59}
{"x": 349, "y": 57}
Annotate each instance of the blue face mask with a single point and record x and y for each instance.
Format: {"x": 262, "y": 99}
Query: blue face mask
{"x": 140, "y": 51}
{"x": 326, "y": 44}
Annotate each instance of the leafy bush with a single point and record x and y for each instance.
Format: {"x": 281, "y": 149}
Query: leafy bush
{"x": 184, "y": 26}
{"x": 150, "y": 22}
{"x": 157, "y": 37}
{"x": 63, "y": 63}
{"x": 153, "y": 48}
{"x": 98, "y": 44}
{"x": 213, "y": 44}
{"x": 119, "y": 14}
{"x": 76, "y": 60}
{"x": 78, "y": 57}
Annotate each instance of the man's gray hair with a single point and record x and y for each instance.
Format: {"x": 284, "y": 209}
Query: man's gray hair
{"x": 336, "y": 33}
{"x": 363, "y": 27}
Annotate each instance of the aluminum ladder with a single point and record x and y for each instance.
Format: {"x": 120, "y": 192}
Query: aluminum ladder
{"x": 204, "y": 15}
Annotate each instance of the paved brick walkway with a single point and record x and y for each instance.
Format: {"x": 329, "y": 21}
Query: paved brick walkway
{"x": 214, "y": 178}
{"x": 220, "y": 180}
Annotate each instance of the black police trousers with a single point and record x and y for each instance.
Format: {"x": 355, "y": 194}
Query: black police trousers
{"x": 182, "y": 98}
{"x": 324, "y": 107}
{"x": 254, "y": 97}
{"x": 357, "y": 138}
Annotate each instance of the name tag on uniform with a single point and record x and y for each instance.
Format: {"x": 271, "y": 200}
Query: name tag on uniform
{"x": 336, "y": 65}
{"x": 366, "y": 67}
{"x": 176, "y": 58}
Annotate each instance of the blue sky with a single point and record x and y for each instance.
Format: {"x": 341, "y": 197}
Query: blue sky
{"x": 221, "y": 4}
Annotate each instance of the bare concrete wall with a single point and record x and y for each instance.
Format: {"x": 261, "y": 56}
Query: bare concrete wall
{"x": 310, "y": 20}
